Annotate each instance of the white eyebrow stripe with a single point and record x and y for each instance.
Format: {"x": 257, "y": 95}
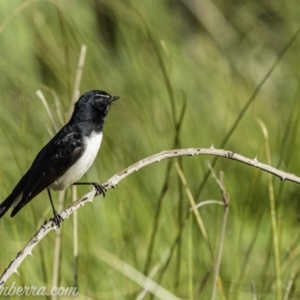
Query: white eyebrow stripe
{"x": 99, "y": 95}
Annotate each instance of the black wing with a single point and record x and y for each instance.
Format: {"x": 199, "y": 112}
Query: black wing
{"x": 50, "y": 164}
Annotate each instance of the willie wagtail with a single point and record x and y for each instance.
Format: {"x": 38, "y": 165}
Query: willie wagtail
{"x": 68, "y": 155}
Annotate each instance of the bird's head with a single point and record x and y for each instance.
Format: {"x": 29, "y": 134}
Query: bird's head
{"x": 93, "y": 106}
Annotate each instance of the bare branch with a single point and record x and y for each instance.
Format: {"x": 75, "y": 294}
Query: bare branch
{"x": 114, "y": 181}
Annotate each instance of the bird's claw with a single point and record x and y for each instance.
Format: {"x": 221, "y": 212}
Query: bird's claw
{"x": 57, "y": 219}
{"x": 100, "y": 188}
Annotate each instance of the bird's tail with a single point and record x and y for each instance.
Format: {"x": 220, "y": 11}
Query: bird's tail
{"x": 16, "y": 195}
{"x": 11, "y": 200}
{"x": 6, "y": 204}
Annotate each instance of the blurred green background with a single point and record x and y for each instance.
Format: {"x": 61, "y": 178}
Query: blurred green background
{"x": 166, "y": 59}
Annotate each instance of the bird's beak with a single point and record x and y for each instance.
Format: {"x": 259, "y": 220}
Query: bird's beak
{"x": 114, "y": 98}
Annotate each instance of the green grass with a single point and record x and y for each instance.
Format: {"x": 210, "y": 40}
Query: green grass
{"x": 158, "y": 56}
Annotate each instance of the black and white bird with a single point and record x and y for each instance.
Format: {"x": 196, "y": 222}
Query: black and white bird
{"x": 67, "y": 156}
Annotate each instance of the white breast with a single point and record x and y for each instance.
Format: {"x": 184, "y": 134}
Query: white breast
{"x": 92, "y": 145}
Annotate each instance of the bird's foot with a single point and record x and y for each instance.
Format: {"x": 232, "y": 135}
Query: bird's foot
{"x": 57, "y": 218}
{"x": 100, "y": 188}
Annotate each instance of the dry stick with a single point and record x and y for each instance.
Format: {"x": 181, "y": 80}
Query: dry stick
{"x": 194, "y": 209}
{"x": 225, "y": 198}
{"x": 48, "y": 110}
{"x": 74, "y": 188}
{"x": 57, "y": 246}
{"x": 58, "y": 109}
{"x": 114, "y": 181}
{"x": 78, "y": 76}
{"x": 57, "y": 105}
{"x": 75, "y": 239}
{"x": 275, "y": 238}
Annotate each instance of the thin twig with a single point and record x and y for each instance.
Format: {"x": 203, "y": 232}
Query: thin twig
{"x": 74, "y": 188}
{"x": 272, "y": 213}
{"x": 225, "y": 198}
{"x": 57, "y": 247}
{"x": 114, "y": 181}
{"x": 193, "y": 205}
{"x": 78, "y": 76}
{"x": 75, "y": 239}
{"x": 48, "y": 110}
{"x": 207, "y": 202}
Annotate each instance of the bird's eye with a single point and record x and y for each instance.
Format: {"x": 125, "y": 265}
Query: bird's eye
{"x": 100, "y": 104}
